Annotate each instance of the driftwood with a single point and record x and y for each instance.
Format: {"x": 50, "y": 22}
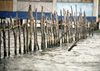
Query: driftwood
{"x": 73, "y": 45}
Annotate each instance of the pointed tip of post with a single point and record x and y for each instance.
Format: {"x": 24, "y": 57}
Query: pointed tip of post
{"x": 30, "y": 3}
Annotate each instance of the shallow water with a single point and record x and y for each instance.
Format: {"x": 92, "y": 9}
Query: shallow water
{"x": 83, "y": 57}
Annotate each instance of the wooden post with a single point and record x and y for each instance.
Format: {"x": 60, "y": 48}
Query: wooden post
{"x": 24, "y": 38}
{"x": 8, "y": 39}
{"x": 92, "y": 26}
{"x": 81, "y": 22}
{"x": 19, "y": 26}
{"x": 43, "y": 31}
{"x": 65, "y": 38}
{"x": 71, "y": 28}
{"x": 57, "y": 30}
{"x": 51, "y": 30}
{"x": 84, "y": 23}
{"x": 67, "y": 27}
{"x": 47, "y": 32}
{"x": 27, "y": 46}
{"x": 31, "y": 28}
{"x": 61, "y": 24}
{"x": 16, "y": 34}
{"x": 35, "y": 31}
{"x": 4, "y": 40}
{"x": 15, "y": 37}
{"x": 76, "y": 33}
{"x": 42, "y": 28}
{"x": 54, "y": 34}
{"x": 27, "y": 35}
{"x": 0, "y": 38}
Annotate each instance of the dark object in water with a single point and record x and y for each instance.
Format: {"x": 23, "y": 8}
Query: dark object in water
{"x": 73, "y": 45}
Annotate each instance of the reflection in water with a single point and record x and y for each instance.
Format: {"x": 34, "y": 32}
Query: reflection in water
{"x": 83, "y": 57}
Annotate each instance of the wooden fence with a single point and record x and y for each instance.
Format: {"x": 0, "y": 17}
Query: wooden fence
{"x": 49, "y": 31}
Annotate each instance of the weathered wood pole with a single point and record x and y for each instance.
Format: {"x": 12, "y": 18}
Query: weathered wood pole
{"x": 76, "y": 33}
{"x": 15, "y": 37}
{"x": 71, "y": 28}
{"x": 61, "y": 24}
{"x": 8, "y": 38}
{"x": 24, "y": 38}
{"x": 56, "y": 29}
{"x": 35, "y": 31}
{"x": 54, "y": 33}
{"x": 92, "y": 26}
{"x": 65, "y": 38}
{"x": 81, "y": 27}
{"x": 4, "y": 40}
{"x": 51, "y": 31}
{"x": 58, "y": 41}
{"x": 19, "y": 26}
{"x": 31, "y": 26}
{"x": 27, "y": 41}
{"x": 84, "y": 24}
{"x": 27, "y": 35}
{"x": 67, "y": 25}
{"x": 42, "y": 28}
{"x": 43, "y": 31}
{"x": 47, "y": 32}
{"x": 0, "y": 39}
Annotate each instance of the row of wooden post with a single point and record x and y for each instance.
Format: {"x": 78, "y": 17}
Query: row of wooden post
{"x": 49, "y": 30}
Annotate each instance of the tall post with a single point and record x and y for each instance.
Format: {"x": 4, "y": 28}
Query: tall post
{"x": 35, "y": 31}
{"x": 27, "y": 36}
{"x": 43, "y": 31}
{"x": 0, "y": 39}
{"x": 15, "y": 37}
{"x": 4, "y": 40}
{"x": 47, "y": 32}
{"x": 51, "y": 31}
{"x": 65, "y": 38}
{"x": 61, "y": 24}
{"x": 31, "y": 26}
{"x": 8, "y": 38}
{"x": 19, "y": 26}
